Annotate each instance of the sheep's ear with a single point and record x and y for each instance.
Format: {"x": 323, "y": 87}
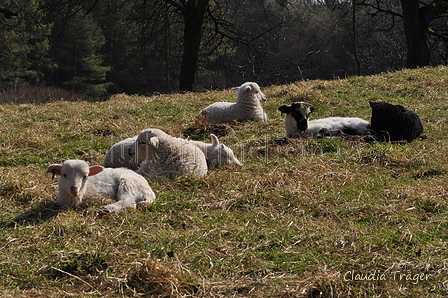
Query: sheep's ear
{"x": 284, "y": 109}
{"x": 55, "y": 169}
{"x": 236, "y": 89}
{"x": 247, "y": 89}
{"x": 154, "y": 142}
{"x": 93, "y": 170}
{"x": 215, "y": 141}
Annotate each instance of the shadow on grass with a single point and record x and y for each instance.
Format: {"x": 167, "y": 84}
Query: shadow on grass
{"x": 40, "y": 213}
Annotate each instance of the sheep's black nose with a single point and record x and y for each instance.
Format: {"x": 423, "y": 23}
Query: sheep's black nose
{"x": 302, "y": 125}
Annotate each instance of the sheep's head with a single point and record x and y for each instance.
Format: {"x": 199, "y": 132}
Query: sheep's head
{"x": 250, "y": 88}
{"x": 300, "y": 112}
{"x": 221, "y": 154}
{"x": 147, "y": 142}
{"x": 74, "y": 174}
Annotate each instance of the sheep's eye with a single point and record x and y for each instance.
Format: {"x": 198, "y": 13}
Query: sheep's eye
{"x": 85, "y": 177}
{"x": 141, "y": 143}
{"x": 64, "y": 175}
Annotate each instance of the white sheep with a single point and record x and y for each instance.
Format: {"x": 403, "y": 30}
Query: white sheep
{"x": 215, "y": 153}
{"x": 297, "y": 123}
{"x": 247, "y": 106}
{"x": 395, "y": 122}
{"x": 118, "y": 155}
{"x": 167, "y": 156}
{"x": 79, "y": 182}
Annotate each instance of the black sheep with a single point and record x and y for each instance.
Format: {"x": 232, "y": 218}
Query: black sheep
{"x": 395, "y": 122}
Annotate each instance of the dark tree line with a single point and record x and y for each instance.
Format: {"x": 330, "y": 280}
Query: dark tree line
{"x": 142, "y": 46}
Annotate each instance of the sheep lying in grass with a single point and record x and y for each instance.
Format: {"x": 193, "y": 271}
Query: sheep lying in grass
{"x": 167, "y": 156}
{"x": 297, "y": 123}
{"x": 247, "y": 106}
{"x": 215, "y": 153}
{"x": 79, "y": 182}
{"x": 394, "y": 122}
{"x": 118, "y": 155}
{"x": 337, "y": 126}
{"x": 296, "y": 118}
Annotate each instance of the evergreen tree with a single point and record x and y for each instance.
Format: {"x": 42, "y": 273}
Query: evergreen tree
{"x": 24, "y": 43}
{"x": 143, "y": 42}
{"x": 76, "y": 49}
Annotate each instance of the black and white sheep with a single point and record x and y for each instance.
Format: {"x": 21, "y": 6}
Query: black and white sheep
{"x": 297, "y": 123}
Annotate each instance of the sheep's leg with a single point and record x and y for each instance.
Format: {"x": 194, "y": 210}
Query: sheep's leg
{"x": 118, "y": 206}
{"x": 128, "y": 195}
{"x": 122, "y": 204}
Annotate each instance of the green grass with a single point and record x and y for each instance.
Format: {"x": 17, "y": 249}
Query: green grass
{"x": 300, "y": 220}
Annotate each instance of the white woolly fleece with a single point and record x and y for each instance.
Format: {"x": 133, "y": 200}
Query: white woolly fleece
{"x": 79, "y": 182}
{"x": 167, "y": 156}
{"x": 247, "y": 106}
{"x": 215, "y": 153}
{"x": 332, "y": 126}
{"x": 118, "y": 155}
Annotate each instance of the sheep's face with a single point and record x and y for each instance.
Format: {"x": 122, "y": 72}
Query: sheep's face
{"x": 74, "y": 174}
{"x": 221, "y": 154}
{"x": 145, "y": 144}
{"x": 228, "y": 157}
{"x": 257, "y": 92}
{"x": 251, "y": 88}
{"x": 300, "y": 112}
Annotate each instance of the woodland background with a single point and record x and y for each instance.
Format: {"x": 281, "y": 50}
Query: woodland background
{"x": 97, "y": 47}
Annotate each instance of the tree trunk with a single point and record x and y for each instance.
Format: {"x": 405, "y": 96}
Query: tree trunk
{"x": 415, "y": 27}
{"x": 355, "y": 49}
{"x": 193, "y": 13}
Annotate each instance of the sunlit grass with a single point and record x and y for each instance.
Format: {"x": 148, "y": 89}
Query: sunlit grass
{"x": 295, "y": 221}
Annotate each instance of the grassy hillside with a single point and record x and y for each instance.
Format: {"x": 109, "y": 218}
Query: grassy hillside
{"x": 307, "y": 219}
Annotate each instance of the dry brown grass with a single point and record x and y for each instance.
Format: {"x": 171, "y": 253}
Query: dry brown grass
{"x": 37, "y": 95}
{"x": 291, "y": 223}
